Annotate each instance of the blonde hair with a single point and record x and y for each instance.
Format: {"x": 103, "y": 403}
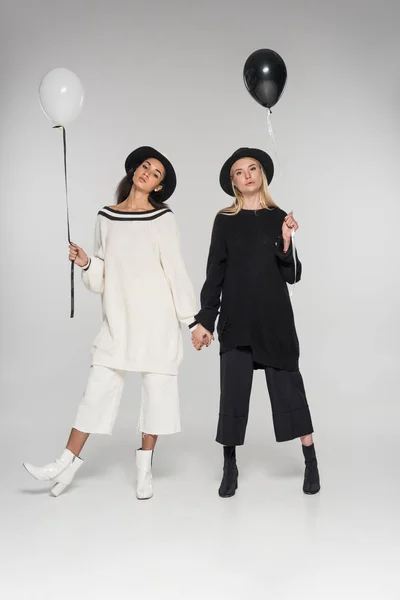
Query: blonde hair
{"x": 265, "y": 197}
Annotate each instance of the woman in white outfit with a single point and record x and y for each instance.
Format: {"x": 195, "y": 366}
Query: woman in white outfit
{"x": 138, "y": 270}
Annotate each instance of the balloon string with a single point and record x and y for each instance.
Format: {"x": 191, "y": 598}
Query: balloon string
{"x": 291, "y": 291}
{"x": 272, "y": 136}
{"x": 68, "y": 223}
{"x": 270, "y": 129}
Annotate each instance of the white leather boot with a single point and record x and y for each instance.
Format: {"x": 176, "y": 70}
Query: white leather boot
{"x": 62, "y": 471}
{"x": 144, "y": 477}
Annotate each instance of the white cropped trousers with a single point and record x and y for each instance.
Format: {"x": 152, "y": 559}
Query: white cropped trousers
{"x": 159, "y": 410}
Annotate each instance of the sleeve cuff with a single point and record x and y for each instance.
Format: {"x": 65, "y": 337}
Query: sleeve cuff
{"x": 288, "y": 255}
{"x": 207, "y": 319}
{"x": 85, "y": 268}
{"x": 193, "y": 326}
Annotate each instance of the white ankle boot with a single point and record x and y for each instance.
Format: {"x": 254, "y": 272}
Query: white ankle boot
{"x": 62, "y": 471}
{"x": 144, "y": 481}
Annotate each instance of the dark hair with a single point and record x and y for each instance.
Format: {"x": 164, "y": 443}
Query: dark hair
{"x": 125, "y": 186}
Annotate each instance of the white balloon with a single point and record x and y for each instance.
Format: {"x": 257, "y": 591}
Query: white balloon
{"x": 61, "y": 96}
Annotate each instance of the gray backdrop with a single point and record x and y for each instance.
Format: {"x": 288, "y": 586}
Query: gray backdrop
{"x": 170, "y": 75}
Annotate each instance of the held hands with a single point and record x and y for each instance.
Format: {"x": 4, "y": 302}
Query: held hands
{"x": 288, "y": 225}
{"x": 201, "y": 337}
{"x": 78, "y": 256}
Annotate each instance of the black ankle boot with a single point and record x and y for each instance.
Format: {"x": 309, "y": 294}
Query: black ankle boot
{"x": 229, "y": 481}
{"x": 311, "y": 476}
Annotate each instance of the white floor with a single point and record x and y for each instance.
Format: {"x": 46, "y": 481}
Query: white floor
{"x": 98, "y": 541}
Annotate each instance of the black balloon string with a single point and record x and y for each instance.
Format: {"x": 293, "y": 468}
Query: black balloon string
{"x": 68, "y": 223}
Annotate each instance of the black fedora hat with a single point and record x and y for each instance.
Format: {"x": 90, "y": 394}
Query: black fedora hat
{"x": 262, "y": 157}
{"x": 138, "y": 156}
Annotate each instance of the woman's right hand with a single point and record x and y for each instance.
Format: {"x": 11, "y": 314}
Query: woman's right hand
{"x": 77, "y": 255}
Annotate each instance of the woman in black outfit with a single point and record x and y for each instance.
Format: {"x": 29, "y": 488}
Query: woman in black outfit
{"x": 250, "y": 262}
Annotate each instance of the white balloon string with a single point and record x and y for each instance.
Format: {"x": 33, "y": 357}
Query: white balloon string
{"x": 278, "y": 164}
{"x": 270, "y": 128}
{"x": 291, "y": 291}
{"x": 275, "y": 147}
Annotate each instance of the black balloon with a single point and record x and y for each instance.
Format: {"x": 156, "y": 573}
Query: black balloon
{"x": 265, "y": 77}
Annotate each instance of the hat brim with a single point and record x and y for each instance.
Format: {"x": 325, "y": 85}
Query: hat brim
{"x": 262, "y": 157}
{"x": 138, "y": 156}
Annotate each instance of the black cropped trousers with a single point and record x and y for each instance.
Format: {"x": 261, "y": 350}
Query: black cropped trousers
{"x": 290, "y": 411}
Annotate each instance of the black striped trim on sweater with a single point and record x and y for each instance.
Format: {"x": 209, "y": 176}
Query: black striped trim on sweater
{"x": 117, "y": 215}
{"x": 132, "y": 212}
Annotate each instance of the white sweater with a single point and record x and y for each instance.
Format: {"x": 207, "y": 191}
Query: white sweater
{"x": 138, "y": 269}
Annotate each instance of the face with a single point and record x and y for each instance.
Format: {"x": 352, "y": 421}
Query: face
{"x": 246, "y": 176}
{"x": 149, "y": 175}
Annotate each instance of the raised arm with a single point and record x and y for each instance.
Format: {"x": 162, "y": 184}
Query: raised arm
{"x": 93, "y": 272}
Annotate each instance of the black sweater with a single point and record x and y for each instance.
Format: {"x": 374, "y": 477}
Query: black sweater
{"x": 247, "y": 272}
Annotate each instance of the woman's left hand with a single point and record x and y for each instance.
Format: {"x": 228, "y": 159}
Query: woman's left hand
{"x": 289, "y": 224}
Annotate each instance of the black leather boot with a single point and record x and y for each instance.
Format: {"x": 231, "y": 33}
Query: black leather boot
{"x": 229, "y": 481}
{"x": 311, "y": 476}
